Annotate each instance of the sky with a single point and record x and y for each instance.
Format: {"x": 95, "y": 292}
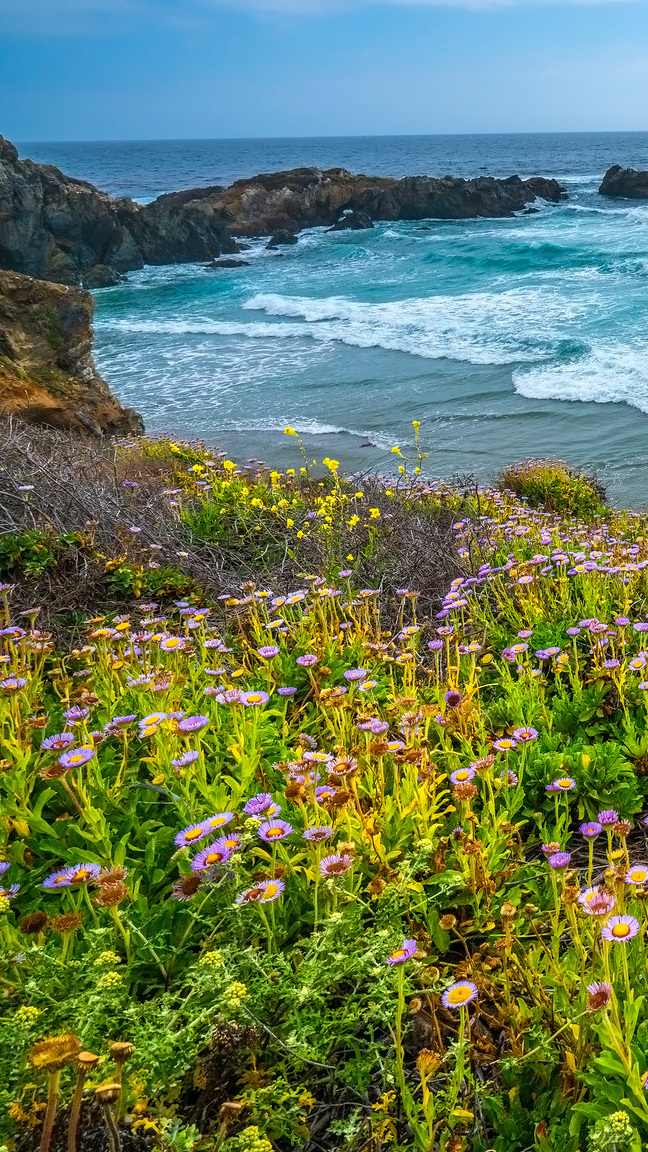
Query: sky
{"x": 173, "y": 69}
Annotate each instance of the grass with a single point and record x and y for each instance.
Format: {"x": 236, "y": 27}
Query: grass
{"x": 321, "y": 819}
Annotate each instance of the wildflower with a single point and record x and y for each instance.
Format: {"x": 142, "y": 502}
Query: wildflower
{"x": 58, "y": 741}
{"x": 638, "y": 874}
{"x": 525, "y": 734}
{"x": 307, "y": 660}
{"x": 563, "y": 784}
{"x": 188, "y": 757}
{"x": 187, "y": 886}
{"x": 286, "y": 691}
{"x": 335, "y": 865}
{"x": 264, "y": 892}
{"x": 509, "y": 777}
{"x": 190, "y": 835}
{"x": 257, "y": 804}
{"x": 559, "y": 859}
{"x": 9, "y": 892}
{"x": 596, "y": 901}
{"x": 13, "y": 683}
{"x": 192, "y": 723}
{"x": 219, "y": 820}
{"x": 82, "y": 873}
{"x": 171, "y": 644}
{"x": 504, "y": 745}
{"x": 66, "y": 922}
{"x": 459, "y": 994}
{"x": 607, "y": 816}
{"x": 211, "y": 959}
{"x": 75, "y": 757}
{"x": 209, "y": 857}
{"x": 463, "y": 775}
{"x": 75, "y": 714}
{"x": 33, "y": 923}
{"x": 599, "y": 995}
{"x": 254, "y": 699}
{"x": 272, "y": 830}
{"x": 620, "y": 929}
{"x": 324, "y": 832}
{"x": 405, "y": 952}
{"x": 353, "y": 674}
{"x": 268, "y": 651}
{"x": 590, "y": 829}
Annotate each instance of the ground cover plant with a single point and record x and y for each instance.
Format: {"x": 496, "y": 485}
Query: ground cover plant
{"x": 310, "y": 859}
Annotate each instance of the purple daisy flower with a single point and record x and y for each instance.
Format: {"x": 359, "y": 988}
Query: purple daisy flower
{"x": 353, "y": 674}
{"x": 599, "y": 995}
{"x": 307, "y": 660}
{"x": 286, "y": 691}
{"x": 13, "y": 683}
{"x": 153, "y": 719}
{"x": 590, "y": 829}
{"x": 254, "y": 699}
{"x": 607, "y": 816}
{"x": 74, "y": 757}
{"x": 188, "y": 757}
{"x": 75, "y": 714}
{"x": 407, "y": 949}
{"x": 459, "y": 994}
{"x": 193, "y": 723}
{"x": 324, "y": 832}
{"x": 211, "y": 856}
{"x": 268, "y": 651}
{"x": 82, "y": 873}
{"x": 620, "y": 929}
{"x": 463, "y": 775}
{"x": 57, "y": 880}
{"x": 263, "y": 893}
{"x": 190, "y": 835}
{"x": 9, "y": 892}
{"x": 637, "y": 875}
{"x": 171, "y": 644}
{"x": 58, "y": 741}
{"x": 219, "y": 820}
{"x": 272, "y": 830}
{"x": 596, "y": 901}
{"x": 559, "y": 859}
{"x": 504, "y": 745}
{"x": 435, "y": 645}
{"x": 525, "y": 734}
{"x": 453, "y": 698}
{"x": 4, "y": 867}
{"x": 257, "y": 804}
{"x": 562, "y": 784}
{"x": 335, "y": 865}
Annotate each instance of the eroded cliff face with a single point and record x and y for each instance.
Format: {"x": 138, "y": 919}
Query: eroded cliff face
{"x": 47, "y": 374}
{"x": 61, "y": 229}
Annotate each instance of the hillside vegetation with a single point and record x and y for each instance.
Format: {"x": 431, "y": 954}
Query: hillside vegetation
{"x": 321, "y": 806}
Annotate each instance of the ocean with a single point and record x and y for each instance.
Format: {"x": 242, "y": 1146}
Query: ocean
{"x": 506, "y": 338}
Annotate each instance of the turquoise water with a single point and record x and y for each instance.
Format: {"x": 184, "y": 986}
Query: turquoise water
{"x": 505, "y": 338}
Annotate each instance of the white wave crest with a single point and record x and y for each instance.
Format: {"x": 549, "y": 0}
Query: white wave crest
{"x": 481, "y": 327}
{"x": 608, "y": 375}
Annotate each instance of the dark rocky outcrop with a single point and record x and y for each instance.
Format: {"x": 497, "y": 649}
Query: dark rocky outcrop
{"x": 62, "y": 229}
{"x": 228, "y": 264}
{"x": 353, "y": 221}
{"x": 282, "y": 238}
{"x": 47, "y": 374}
{"x": 626, "y": 182}
{"x": 58, "y": 228}
{"x": 308, "y": 197}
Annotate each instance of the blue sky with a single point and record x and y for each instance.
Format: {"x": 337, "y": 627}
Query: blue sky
{"x": 141, "y": 69}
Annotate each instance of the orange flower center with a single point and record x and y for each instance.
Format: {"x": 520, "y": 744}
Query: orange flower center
{"x": 460, "y": 995}
{"x": 621, "y": 930}
{"x": 193, "y": 834}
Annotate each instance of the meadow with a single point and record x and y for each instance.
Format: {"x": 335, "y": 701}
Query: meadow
{"x": 321, "y": 806}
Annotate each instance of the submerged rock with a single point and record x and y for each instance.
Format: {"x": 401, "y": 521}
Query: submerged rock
{"x": 626, "y": 182}
{"x": 228, "y": 264}
{"x": 47, "y": 374}
{"x": 280, "y": 238}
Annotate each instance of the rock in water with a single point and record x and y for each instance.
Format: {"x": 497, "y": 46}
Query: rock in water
{"x": 280, "y": 238}
{"x": 47, "y": 374}
{"x": 626, "y": 182}
{"x": 353, "y": 221}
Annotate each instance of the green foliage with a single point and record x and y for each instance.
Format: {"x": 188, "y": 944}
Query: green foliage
{"x": 551, "y": 485}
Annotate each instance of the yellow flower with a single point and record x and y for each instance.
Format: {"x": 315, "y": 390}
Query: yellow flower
{"x": 229, "y": 465}
{"x": 288, "y": 431}
{"x": 374, "y": 513}
{"x": 397, "y": 450}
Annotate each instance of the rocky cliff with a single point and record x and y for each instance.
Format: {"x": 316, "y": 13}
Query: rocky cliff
{"x": 626, "y": 182}
{"x": 47, "y": 374}
{"x": 61, "y": 229}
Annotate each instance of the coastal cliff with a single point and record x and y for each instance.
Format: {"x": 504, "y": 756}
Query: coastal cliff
{"x": 626, "y": 182}
{"x": 47, "y": 374}
{"x": 58, "y": 228}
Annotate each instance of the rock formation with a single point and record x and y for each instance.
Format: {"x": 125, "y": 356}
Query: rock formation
{"x": 47, "y": 374}
{"x": 58, "y": 228}
{"x": 62, "y": 229}
{"x": 626, "y": 182}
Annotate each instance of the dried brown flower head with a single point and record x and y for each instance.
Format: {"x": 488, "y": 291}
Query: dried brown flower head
{"x": 108, "y": 1093}
{"x": 52, "y": 771}
{"x": 508, "y": 910}
{"x": 448, "y": 922}
{"x": 464, "y": 791}
{"x": 33, "y": 922}
{"x": 67, "y": 922}
{"x": 295, "y": 791}
{"x": 86, "y": 1061}
{"x": 622, "y": 827}
{"x": 187, "y": 886}
{"x": 376, "y": 886}
{"x": 114, "y": 876}
{"x": 121, "y": 1050}
{"x": 110, "y": 895}
{"x": 428, "y": 1061}
{"x": 340, "y": 800}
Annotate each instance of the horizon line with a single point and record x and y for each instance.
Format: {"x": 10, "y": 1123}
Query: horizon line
{"x": 331, "y": 136}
